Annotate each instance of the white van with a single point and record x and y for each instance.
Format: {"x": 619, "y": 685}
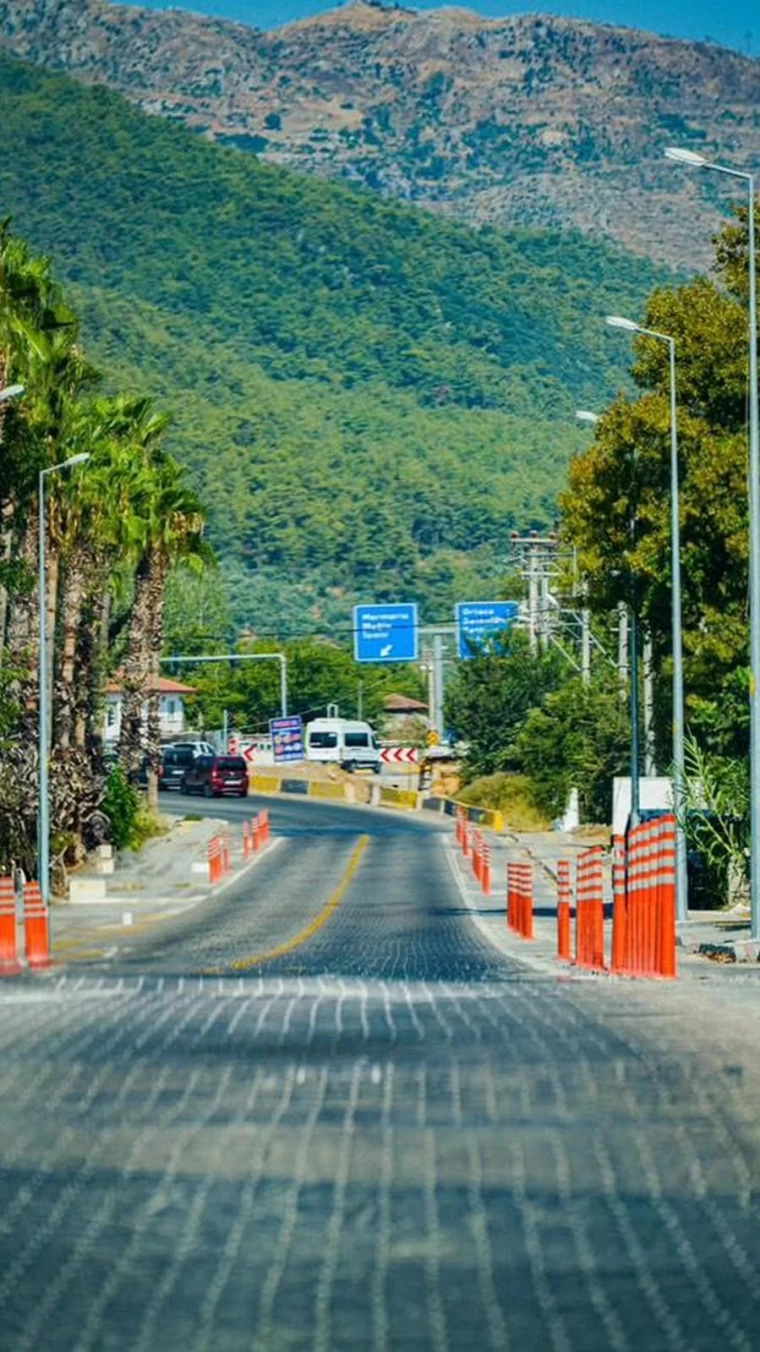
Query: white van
{"x": 344, "y": 741}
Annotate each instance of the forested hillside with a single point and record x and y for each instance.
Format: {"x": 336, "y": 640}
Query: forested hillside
{"x": 369, "y": 398}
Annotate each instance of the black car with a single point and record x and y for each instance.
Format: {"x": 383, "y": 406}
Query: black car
{"x": 215, "y": 775}
{"x": 175, "y": 761}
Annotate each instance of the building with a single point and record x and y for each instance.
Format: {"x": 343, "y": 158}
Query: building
{"x": 171, "y": 712}
{"x": 403, "y": 706}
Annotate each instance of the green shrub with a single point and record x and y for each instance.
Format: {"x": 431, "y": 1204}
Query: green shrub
{"x": 121, "y": 805}
{"x": 509, "y": 794}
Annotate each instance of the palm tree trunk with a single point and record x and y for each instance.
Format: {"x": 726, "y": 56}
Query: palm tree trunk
{"x": 71, "y": 685}
{"x": 137, "y": 666}
{"x": 156, "y": 602}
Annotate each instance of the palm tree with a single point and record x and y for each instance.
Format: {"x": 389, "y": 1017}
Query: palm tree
{"x": 172, "y": 519}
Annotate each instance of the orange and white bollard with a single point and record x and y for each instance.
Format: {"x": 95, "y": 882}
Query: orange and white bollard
{"x": 485, "y": 870}
{"x": 214, "y": 860}
{"x": 226, "y": 860}
{"x": 564, "y": 901}
{"x": 36, "y": 927}
{"x": 9, "y": 963}
{"x": 247, "y": 843}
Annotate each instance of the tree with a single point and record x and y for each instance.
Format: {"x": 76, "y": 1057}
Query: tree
{"x": 492, "y": 694}
{"x": 627, "y": 470}
{"x": 578, "y": 738}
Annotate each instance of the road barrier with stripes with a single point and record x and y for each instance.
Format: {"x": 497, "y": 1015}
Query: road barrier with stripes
{"x": 647, "y": 946}
{"x": 589, "y": 910}
{"x": 9, "y": 963}
{"x": 485, "y": 868}
{"x": 520, "y": 899}
{"x": 643, "y": 908}
{"x": 36, "y": 926}
{"x": 564, "y": 905}
{"x": 477, "y": 854}
{"x": 215, "y": 860}
{"x": 619, "y": 904}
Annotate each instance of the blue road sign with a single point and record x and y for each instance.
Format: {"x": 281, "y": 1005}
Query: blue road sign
{"x": 478, "y": 621}
{"x": 385, "y": 633}
{"x": 287, "y": 739}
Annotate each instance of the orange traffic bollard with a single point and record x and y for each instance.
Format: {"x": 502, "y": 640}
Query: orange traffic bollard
{"x": 564, "y": 900}
{"x": 589, "y": 910}
{"x": 619, "y": 905}
{"x": 477, "y": 853}
{"x": 36, "y": 927}
{"x": 247, "y": 843}
{"x": 9, "y": 963}
{"x": 226, "y": 861}
{"x": 485, "y": 870}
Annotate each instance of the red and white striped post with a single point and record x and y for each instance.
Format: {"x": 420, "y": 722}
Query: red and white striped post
{"x": 564, "y": 902}
{"x": 36, "y": 927}
{"x": 9, "y": 963}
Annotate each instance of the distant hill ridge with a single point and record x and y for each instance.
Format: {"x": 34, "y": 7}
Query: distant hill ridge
{"x": 528, "y": 119}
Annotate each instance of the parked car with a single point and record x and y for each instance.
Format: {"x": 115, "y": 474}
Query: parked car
{"x": 215, "y": 775}
{"x": 175, "y": 760}
{"x": 197, "y": 748}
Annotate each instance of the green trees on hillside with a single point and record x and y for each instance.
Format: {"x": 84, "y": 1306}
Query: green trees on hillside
{"x": 361, "y": 390}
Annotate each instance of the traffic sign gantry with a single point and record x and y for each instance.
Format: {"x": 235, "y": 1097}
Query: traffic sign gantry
{"x": 386, "y": 633}
{"x": 478, "y": 621}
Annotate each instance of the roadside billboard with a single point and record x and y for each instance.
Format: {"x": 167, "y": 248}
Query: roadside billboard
{"x": 287, "y": 739}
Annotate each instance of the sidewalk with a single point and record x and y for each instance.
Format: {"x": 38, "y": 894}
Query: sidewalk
{"x": 543, "y": 851}
{"x": 169, "y": 875}
{"x": 709, "y": 940}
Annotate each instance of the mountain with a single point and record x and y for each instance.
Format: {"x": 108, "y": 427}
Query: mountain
{"x": 369, "y": 398}
{"x": 525, "y": 120}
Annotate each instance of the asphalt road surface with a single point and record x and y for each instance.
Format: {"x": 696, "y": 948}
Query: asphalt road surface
{"x": 322, "y": 1111}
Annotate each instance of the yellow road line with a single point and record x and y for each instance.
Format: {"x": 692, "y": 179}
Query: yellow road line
{"x": 244, "y": 964}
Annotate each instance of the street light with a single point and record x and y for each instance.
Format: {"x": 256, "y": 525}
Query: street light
{"x": 43, "y": 825}
{"x": 11, "y": 392}
{"x": 682, "y": 894}
{"x": 696, "y": 161}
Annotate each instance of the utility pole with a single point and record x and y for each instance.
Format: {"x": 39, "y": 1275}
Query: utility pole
{"x": 225, "y": 733}
{"x": 438, "y": 682}
{"x": 586, "y": 646}
{"x": 622, "y": 663}
{"x": 650, "y": 767}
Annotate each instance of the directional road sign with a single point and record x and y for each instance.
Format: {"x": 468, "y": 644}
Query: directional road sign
{"x": 385, "y": 633}
{"x": 478, "y": 621}
{"x": 287, "y": 739}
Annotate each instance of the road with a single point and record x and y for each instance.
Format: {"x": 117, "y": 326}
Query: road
{"x": 322, "y": 1111}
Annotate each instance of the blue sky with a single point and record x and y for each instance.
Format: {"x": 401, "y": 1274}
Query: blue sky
{"x": 735, "y": 24}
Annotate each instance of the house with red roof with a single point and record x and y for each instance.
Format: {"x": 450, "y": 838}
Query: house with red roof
{"x": 171, "y": 708}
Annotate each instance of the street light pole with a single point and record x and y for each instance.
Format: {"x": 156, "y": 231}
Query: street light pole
{"x": 690, "y": 157}
{"x": 43, "y": 821}
{"x": 679, "y": 758}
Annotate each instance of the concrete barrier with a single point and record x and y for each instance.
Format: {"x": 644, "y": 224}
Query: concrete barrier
{"x": 318, "y": 789}
{"x": 408, "y": 798}
{"x": 294, "y": 786}
{"x": 264, "y": 783}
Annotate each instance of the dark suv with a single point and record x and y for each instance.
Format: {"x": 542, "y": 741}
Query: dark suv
{"x": 215, "y": 775}
{"x": 174, "y": 762}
